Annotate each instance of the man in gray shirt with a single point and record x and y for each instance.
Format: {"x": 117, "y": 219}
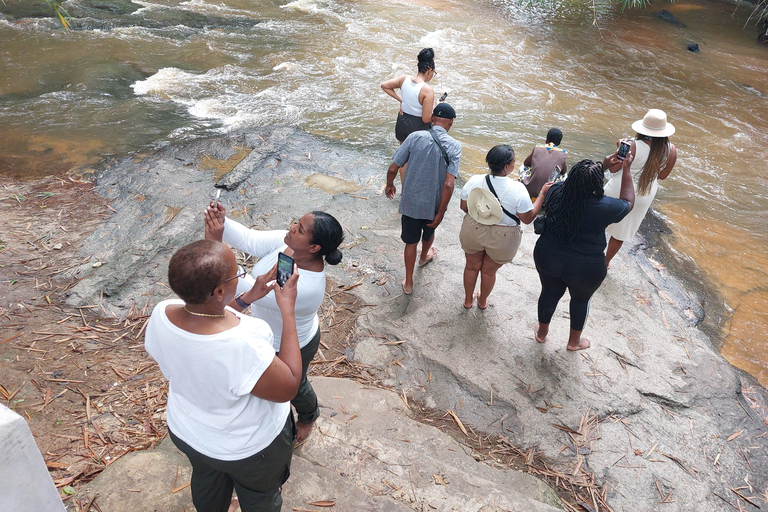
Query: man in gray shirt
{"x": 427, "y": 186}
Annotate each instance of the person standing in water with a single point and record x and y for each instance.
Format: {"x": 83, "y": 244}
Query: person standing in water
{"x": 416, "y": 98}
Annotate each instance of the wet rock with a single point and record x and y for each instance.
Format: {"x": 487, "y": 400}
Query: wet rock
{"x": 667, "y": 16}
{"x": 693, "y": 47}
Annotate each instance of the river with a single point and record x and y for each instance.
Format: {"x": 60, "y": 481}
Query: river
{"x": 135, "y": 75}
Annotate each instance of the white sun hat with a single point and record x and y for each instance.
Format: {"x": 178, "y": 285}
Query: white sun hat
{"x": 483, "y": 206}
{"x": 654, "y": 124}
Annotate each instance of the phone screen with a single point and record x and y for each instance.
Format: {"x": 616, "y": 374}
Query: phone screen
{"x": 284, "y": 268}
{"x": 623, "y": 150}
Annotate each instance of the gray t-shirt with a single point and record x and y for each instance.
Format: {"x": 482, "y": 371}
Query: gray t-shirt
{"x": 425, "y": 175}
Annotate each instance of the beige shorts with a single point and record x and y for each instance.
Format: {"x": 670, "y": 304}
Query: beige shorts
{"x": 500, "y": 243}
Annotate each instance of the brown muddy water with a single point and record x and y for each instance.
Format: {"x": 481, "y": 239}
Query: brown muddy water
{"x": 135, "y": 75}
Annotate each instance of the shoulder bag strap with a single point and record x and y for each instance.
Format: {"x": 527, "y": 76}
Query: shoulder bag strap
{"x": 442, "y": 149}
{"x": 490, "y": 187}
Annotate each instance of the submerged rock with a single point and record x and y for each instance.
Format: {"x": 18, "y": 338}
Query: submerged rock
{"x": 667, "y": 16}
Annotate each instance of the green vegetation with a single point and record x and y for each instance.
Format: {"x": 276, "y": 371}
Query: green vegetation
{"x": 62, "y": 14}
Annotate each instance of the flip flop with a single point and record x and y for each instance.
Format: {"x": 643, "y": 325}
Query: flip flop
{"x": 536, "y": 335}
{"x": 430, "y": 256}
{"x": 404, "y": 290}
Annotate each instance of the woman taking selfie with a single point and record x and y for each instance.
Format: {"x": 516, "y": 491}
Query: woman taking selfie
{"x": 490, "y": 233}
{"x": 569, "y": 253}
{"x": 654, "y": 158}
{"x": 311, "y": 242}
{"x": 228, "y": 393}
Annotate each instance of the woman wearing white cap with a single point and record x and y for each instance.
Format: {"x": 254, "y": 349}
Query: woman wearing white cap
{"x": 654, "y": 159}
{"x": 490, "y": 233}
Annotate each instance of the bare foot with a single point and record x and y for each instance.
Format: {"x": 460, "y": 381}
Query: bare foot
{"x": 303, "y": 430}
{"x": 536, "y": 334}
{"x": 583, "y": 343}
{"x": 233, "y": 505}
{"x": 430, "y": 256}
{"x": 407, "y": 289}
{"x": 481, "y": 305}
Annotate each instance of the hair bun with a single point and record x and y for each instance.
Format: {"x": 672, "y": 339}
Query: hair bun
{"x": 333, "y": 257}
{"x": 426, "y": 55}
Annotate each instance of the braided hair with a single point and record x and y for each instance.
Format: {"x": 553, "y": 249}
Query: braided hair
{"x": 565, "y": 203}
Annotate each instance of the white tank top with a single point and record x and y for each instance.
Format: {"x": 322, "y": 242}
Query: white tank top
{"x": 409, "y": 92}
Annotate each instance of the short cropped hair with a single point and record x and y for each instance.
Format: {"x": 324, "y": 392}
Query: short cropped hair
{"x": 196, "y": 270}
{"x": 555, "y": 136}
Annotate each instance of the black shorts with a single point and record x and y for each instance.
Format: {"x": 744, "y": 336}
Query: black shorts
{"x": 415, "y": 229}
{"x": 407, "y": 124}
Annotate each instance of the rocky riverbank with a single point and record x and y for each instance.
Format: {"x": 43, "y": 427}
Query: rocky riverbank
{"x": 651, "y": 412}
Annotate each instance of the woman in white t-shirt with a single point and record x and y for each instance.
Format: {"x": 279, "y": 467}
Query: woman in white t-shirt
{"x": 490, "y": 240}
{"x": 312, "y": 241}
{"x": 228, "y": 392}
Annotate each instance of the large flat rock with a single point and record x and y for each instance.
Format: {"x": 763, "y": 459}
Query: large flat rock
{"x": 365, "y": 454}
{"x": 652, "y": 409}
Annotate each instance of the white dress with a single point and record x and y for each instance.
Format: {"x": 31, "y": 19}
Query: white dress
{"x": 626, "y": 229}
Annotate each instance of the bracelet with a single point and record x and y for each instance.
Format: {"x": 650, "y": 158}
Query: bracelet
{"x": 241, "y": 302}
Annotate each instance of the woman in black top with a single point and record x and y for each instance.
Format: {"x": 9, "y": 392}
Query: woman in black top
{"x": 569, "y": 254}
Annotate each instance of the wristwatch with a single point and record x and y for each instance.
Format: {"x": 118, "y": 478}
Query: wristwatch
{"x": 241, "y": 302}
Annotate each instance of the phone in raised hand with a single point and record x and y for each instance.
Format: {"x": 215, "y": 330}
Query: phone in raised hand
{"x": 624, "y": 148}
{"x": 284, "y": 268}
{"x": 216, "y": 199}
{"x": 442, "y": 98}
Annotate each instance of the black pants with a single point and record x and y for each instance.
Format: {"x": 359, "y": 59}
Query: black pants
{"x": 305, "y": 401}
{"x": 256, "y": 479}
{"x": 558, "y": 271}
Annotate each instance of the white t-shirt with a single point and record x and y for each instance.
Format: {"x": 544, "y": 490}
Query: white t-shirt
{"x": 512, "y": 195}
{"x": 210, "y": 378}
{"x": 311, "y": 286}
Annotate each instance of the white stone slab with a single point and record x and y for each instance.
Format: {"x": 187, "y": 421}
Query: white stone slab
{"x": 25, "y": 485}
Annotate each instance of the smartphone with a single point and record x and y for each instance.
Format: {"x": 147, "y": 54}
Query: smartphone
{"x": 442, "y": 98}
{"x": 284, "y": 268}
{"x": 216, "y": 199}
{"x": 624, "y": 148}
{"x": 556, "y": 173}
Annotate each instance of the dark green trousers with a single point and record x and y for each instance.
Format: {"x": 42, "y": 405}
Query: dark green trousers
{"x": 256, "y": 479}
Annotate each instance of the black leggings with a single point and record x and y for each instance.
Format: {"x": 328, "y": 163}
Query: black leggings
{"x": 305, "y": 401}
{"x": 559, "y": 271}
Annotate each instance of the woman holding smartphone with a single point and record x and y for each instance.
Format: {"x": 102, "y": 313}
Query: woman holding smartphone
{"x": 654, "y": 158}
{"x": 416, "y": 98}
{"x": 569, "y": 252}
{"x": 228, "y": 409}
{"x": 311, "y": 242}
